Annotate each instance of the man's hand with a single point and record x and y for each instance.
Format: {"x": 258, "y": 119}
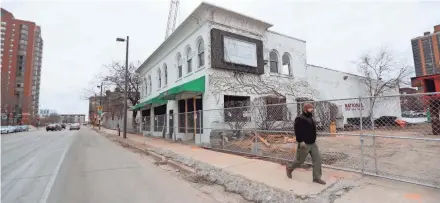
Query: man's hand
{"x": 302, "y": 144}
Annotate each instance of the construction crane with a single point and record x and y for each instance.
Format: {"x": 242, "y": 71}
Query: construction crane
{"x": 172, "y": 15}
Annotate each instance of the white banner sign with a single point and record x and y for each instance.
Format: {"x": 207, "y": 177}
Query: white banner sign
{"x": 354, "y": 107}
{"x": 240, "y": 52}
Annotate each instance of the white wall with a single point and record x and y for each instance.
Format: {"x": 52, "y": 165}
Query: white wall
{"x": 187, "y": 37}
{"x": 331, "y": 86}
{"x": 295, "y": 48}
{"x": 169, "y": 57}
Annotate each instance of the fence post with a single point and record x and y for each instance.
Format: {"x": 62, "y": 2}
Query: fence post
{"x": 361, "y": 137}
{"x": 200, "y": 126}
{"x": 374, "y": 138}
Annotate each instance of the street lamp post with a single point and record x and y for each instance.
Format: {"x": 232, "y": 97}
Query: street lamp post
{"x": 124, "y": 135}
{"x": 100, "y": 104}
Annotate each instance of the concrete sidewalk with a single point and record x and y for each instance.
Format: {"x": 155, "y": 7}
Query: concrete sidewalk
{"x": 363, "y": 189}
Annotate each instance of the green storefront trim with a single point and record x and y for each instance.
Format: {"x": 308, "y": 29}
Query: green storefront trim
{"x": 193, "y": 86}
{"x": 138, "y": 106}
{"x": 155, "y": 100}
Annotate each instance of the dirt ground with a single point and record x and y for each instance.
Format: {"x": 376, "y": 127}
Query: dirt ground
{"x": 407, "y": 159}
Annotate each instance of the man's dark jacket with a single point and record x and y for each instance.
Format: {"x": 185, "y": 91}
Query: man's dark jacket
{"x": 305, "y": 128}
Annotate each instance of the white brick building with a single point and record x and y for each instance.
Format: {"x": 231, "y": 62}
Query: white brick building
{"x": 192, "y": 63}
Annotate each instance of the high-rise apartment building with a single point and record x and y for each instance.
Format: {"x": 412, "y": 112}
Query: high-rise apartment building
{"x": 426, "y": 53}
{"x": 21, "y": 58}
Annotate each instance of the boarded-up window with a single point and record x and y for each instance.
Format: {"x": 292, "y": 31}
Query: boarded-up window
{"x": 235, "y": 108}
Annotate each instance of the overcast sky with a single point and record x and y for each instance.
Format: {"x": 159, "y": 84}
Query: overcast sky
{"x": 79, "y": 36}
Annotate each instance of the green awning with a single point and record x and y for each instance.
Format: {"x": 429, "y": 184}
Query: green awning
{"x": 138, "y": 106}
{"x": 155, "y": 100}
{"x": 194, "y": 86}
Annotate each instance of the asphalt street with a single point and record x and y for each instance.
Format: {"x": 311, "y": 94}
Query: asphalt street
{"x": 83, "y": 166}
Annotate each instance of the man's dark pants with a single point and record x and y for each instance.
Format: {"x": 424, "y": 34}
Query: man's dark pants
{"x": 301, "y": 155}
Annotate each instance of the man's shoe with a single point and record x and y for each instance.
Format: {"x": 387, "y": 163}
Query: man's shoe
{"x": 289, "y": 173}
{"x": 320, "y": 181}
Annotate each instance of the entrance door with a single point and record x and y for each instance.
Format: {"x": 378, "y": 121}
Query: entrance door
{"x": 171, "y": 124}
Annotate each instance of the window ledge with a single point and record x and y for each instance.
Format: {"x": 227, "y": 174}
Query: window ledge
{"x": 189, "y": 74}
{"x": 280, "y": 75}
{"x": 179, "y": 79}
{"x": 200, "y": 68}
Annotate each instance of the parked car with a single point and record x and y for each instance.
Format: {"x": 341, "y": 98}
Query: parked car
{"x": 6, "y": 129}
{"x": 15, "y": 128}
{"x": 25, "y": 128}
{"x": 63, "y": 125}
{"x": 75, "y": 126}
{"x": 53, "y": 127}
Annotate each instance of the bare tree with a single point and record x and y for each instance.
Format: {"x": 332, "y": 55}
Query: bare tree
{"x": 267, "y": 117}
{"x": 115, "y": 77}
{"x": 382, "y": 72}
{"x": 325, "y": 113}
{"x": 53, "y": 118}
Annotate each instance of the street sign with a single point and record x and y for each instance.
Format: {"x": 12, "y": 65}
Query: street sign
{"x": 99, "y": 110}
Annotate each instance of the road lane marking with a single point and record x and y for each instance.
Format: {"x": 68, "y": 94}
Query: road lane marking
{"x": 49, "y": 185}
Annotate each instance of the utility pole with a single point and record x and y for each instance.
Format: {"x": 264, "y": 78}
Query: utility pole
{"x": 124, "y": 135}
{"x": 100, "y": 104}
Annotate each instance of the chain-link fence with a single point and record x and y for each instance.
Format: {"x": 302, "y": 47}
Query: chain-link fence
{"x": 183, "y": 127}
{"x": 113, "y": 124}
{"x": 391, "y": 136}
{"x": 394, "y": 137}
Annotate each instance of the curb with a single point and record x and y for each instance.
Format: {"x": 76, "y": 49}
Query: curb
{"x": 172, "y": 163}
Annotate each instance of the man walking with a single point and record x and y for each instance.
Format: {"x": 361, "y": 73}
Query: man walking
{"x": 305, "y": 132}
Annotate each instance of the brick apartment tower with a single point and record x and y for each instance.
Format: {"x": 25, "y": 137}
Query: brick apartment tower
{"x": 21, "y": 58}
{"x": 426, "y": 53}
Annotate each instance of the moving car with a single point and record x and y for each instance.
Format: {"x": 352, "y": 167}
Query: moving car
{"x": 75, "y": 126}
{"x": 53, "y": 127}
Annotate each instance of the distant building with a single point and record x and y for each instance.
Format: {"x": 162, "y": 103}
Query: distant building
{"x": 46, "y": 112}
{"x": 73, "y": 118}
{"x": 426, "y": 53}
{"x": 21, "y": 59}
{"x": 410, "y": 102}
{"x": 113, "y": 109}
{"x": 93, "y": 106}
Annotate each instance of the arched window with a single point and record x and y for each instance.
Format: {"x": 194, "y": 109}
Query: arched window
{"x": 145, "y": 87}
{"x": 179, "y": 65}
{"x": 201, "y": 52}
{"x": 165, "y": 72}
{"x": 159, "y": 78}
{"x": 189, "y": 60}
{"x": 273, "y": 57}
{"x": 286, "y": 65}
